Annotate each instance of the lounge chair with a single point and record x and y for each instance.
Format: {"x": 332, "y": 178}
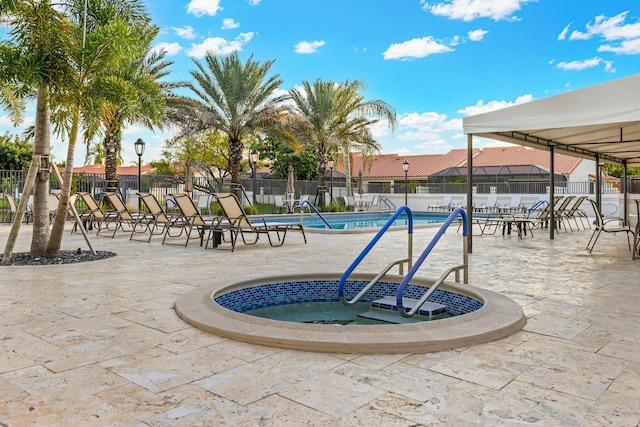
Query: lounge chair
{"x": 575, "y": 213}
{"x": 561, "y": 212}
{"x": 515, "y": 204}
{"x": 93, "y": 215}
{"x": 188, "y": 221}
{"x": 239, "y": 224}
{"x": 445, "y": 204}
{"x": 608, "y": 225}
{"x": 155, "y": 221}
{"x": 119, "y": 217}
{"x": 490, "y": 205}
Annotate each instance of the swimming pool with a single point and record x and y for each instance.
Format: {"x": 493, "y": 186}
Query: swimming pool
{"x": 361, "y": 221}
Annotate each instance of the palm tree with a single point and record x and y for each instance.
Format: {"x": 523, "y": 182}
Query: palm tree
{"x": 134, "y": 94}
{"x": 35, "y": 61}
{"x": 233, "y": 98}
{"x": 95, "y": 55}
{"x": 331, "y": 117}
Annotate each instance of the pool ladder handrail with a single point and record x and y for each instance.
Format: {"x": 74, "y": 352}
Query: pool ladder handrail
{"x": 308, "y": 203}
{"x": 389, "y": 204}
{"x": 442, "y": 278}
{"x": 538, "y": 205}
{"x": 388, "y": 267}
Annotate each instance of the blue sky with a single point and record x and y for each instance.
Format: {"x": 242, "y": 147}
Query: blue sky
{"x": 434, "y": 61}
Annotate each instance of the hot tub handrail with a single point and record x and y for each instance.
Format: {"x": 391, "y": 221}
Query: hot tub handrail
{"x": 367, "y": 249}
{"x": 389, "y": 203}
{"x": 426, "y": 252}
{"x": 308, "y": 203}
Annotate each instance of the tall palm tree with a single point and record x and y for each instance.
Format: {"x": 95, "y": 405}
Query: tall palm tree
{"x": 105, "y": 48}
{"x": 234, "y": 98}
{"x": 134, "y": 94}
{"x": 332, "y": 117}
{"x": 34, "y": 62}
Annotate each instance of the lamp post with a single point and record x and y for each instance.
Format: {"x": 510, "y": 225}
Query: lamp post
{"x": 405, "y": 166}
{"x": 253, "y": 157}
{"x": 331, "y": 164}
{"x": 139, "y": 146}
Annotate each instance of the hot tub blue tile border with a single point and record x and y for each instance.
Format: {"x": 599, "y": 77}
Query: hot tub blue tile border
{"x": 271, "y": 294}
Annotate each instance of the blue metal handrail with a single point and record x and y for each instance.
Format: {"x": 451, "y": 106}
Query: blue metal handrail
{"x": 427, "y": 251}
{"x": 389, "y": 203}
{"x": 308, "y": 203}
{"x": 538, "y": 205}
{"x": 358, "y": 260}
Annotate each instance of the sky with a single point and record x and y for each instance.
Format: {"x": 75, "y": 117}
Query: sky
{"x": 435, "y": 62}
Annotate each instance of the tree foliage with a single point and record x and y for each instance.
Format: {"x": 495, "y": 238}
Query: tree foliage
{"x": 15, "y": 153}
{"x": 279, "y": 155}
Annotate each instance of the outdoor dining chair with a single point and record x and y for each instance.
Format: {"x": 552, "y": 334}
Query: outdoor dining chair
{"x": 608, "y": 225}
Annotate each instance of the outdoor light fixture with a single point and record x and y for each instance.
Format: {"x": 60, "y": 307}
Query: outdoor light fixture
{"x": 405, "y": 166}
{"x": 139, "y": 147}
{"x": 254, "y": 155}
{"x": 331, "y": 164}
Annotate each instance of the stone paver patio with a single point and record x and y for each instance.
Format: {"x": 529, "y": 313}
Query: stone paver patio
{"x": 99, "y": 344}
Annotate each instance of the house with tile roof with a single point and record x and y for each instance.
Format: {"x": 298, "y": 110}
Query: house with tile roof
{"x": 508, "y": 168}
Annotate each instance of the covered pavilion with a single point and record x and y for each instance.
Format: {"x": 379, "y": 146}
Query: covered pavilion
{"x": 600, "y": 122}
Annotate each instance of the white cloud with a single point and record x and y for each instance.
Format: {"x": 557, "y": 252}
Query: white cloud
{"x": 608, "y": 67}
{"x": 185, "y": 32}
{"x": 480, "y": 107}
{"x": 229, "y": 23}
{"x": 415, "y": 48}
{"x": 579, "y": 65}
{"x": 204, "y": 7}
{"x": 612, "y": 28}
{"x": 218, "y": 45}
{"x": 468, "y": 10}
{"x": 170, "y": 48}
{"x": 627, "y": 47}
{"x": 308, "y": 47}
{"x": 254, "y": 2}
{"x": 427, "y": 129}
{"x": 476, "y": 35}
{"x": 563, "y": 33}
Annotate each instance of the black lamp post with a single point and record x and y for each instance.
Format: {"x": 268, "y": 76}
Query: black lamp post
{"x": 405, "y": 166}
{"x": 253, "y": 157}
{"x": 139, "y": 146}
{"x": 331, "y": 164}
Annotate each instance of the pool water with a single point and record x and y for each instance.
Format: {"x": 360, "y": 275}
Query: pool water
{"x": 324, "y": 313}
{"x": 368, "y": 221}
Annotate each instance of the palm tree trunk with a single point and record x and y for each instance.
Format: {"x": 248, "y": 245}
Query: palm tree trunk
{"x": 347, "y": 170}
{"x": 41, "y": 146}
{"x": 57, "y": 231}
{"x": 235, "y": 157}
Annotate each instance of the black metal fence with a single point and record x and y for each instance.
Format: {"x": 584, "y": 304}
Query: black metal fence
{"x": 12, "y": 182}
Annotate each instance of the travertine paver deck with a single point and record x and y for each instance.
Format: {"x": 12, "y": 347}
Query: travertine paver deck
{"x": 98, "y": 344}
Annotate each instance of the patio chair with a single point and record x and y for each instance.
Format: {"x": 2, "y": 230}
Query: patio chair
{"x": 636, "y": 234}
{"x": 278, "y": 202}
{"x": 155, "y": 221}
{"x": 188, "y": 221}
{"x": 239, "y": 224}
{"x": 119, "y": 217}
{"x": 608, "y": 225}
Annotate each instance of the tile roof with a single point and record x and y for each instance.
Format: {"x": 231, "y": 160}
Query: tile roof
{"x": 389, "y": 166}
{"x": 120, "y": 170}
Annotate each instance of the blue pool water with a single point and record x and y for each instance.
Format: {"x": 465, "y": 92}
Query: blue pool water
{"x": 350, "y": 221}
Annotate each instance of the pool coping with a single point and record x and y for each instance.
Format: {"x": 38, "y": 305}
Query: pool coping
{"x": 498, "y": 318}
